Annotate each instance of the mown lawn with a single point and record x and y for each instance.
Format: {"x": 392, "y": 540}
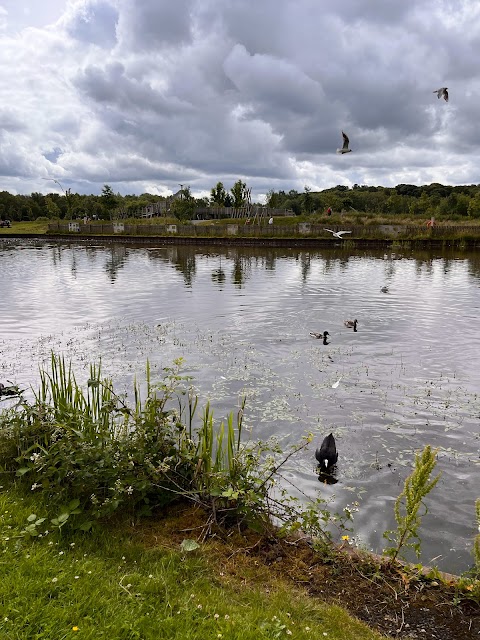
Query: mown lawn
{"x": 37, "y": 226}
{"x": 117, "y": 584}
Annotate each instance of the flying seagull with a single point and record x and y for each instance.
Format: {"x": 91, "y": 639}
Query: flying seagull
{"x": 338, "y": 234}
{"x": 441, "y": 92}
{"x": 346, "y": 142}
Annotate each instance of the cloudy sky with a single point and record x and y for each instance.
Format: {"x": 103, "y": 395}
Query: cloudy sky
{"x": 146, "y": 94}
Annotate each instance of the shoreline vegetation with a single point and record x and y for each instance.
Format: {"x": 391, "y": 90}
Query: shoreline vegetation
{"x": 148, "y": 518}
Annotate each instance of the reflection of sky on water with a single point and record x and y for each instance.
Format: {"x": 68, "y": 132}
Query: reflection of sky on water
{"x": 241, "y": 320}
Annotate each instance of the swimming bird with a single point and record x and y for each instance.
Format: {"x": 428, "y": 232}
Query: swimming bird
{"x": 327, "y": 455}
{"x": 8, "y": 391}
{"x": 346, "y": 142}
{"x": 351, "y": 324}
{"x": 442, "y": 92}
{"x": 320, "y": 335}
{"x": 384, "y": 289}
{"x": 338, "y": 234}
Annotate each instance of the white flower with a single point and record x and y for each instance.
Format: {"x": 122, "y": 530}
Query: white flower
{"x": 129, "y": 490}
{"x": 54, "y": 579}
{"x": 35, "y": 485}
{"x": 34, "y": 457}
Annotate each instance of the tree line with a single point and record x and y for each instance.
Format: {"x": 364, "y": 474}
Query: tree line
{"x": 404, "y": 199}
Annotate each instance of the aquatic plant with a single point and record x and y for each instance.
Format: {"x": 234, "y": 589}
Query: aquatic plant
{"x": 417, "y": 485}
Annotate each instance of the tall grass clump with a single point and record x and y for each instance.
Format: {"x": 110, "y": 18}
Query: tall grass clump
{"x": 91, "y": 454}
{"x": 407, "y": 506}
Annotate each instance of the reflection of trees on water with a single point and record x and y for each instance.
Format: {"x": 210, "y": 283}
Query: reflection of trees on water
{"x": 73, "y": 266}
{"x": 242, "y": 267}
{"x": 473, "y": 263}
{"x": 185, "y": 262}
{"x": 183, "y": 259}
{"x": 117, "y": 258}
{"x": 235, "y": 263}
{"x": 305, "y": 264}
{"x": 218, "y": 275}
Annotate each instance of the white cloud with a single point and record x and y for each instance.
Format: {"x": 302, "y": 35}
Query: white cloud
{"x": 153, "y": 93}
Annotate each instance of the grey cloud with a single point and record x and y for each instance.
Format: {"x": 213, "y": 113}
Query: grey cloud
{"x": 156, "y": 24}
{"x": 94, "y": 24}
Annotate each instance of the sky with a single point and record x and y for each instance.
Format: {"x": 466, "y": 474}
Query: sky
{"x": 145, "y": 95}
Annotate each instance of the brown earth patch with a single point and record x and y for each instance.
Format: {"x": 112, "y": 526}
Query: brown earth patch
{"x": 396, "y": 601}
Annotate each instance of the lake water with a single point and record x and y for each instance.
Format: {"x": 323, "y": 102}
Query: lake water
{"x": 241, "y": 319}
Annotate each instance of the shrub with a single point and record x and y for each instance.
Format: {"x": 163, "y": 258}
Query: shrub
{"x": 93, "y": 455}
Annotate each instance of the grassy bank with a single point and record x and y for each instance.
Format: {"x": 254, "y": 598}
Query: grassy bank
{"x": 123, "y": 582}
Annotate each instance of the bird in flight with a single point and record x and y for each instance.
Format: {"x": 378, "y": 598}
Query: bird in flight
{"x": 338, "y": 234}
{"x": 346, "y": 142}
{"x": 442, "y": 92}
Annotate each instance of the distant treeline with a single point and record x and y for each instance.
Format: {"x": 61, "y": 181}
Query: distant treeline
{"x": 404, "y": 199}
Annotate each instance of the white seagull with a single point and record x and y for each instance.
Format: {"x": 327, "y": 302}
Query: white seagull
{"x": 338, "y": 234}
{"x": 442, "y": 92}
{"x": 346, "y": 142}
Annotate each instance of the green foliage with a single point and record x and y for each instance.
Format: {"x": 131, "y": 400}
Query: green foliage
{"x": 417, "y": 486}
{"x": 91, "y": 455}
{"x": 183, "y": 208}
{"x": 108, "y": 198}
{"x": 239, "y": 193}
{"x": 218, "y": 195}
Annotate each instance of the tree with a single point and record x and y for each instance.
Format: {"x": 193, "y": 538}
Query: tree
{"x": 239, "y": 193}
{"x": 53, "y": 210}
{"x": 183, "y": 209}
{"x": 307, "y": 200}
{"x": 218, "y": 195}
{"x": 109, "y": 200}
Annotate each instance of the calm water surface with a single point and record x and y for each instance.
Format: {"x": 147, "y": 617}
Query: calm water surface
{"x": 241, "y": 320}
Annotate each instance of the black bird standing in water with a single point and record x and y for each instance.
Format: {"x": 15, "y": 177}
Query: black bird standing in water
{"x": 327, "y": 455}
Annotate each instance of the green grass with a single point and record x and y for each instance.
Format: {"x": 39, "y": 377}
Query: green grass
{"x": 37, "y": 226}
{"x": 107, "y": 584}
